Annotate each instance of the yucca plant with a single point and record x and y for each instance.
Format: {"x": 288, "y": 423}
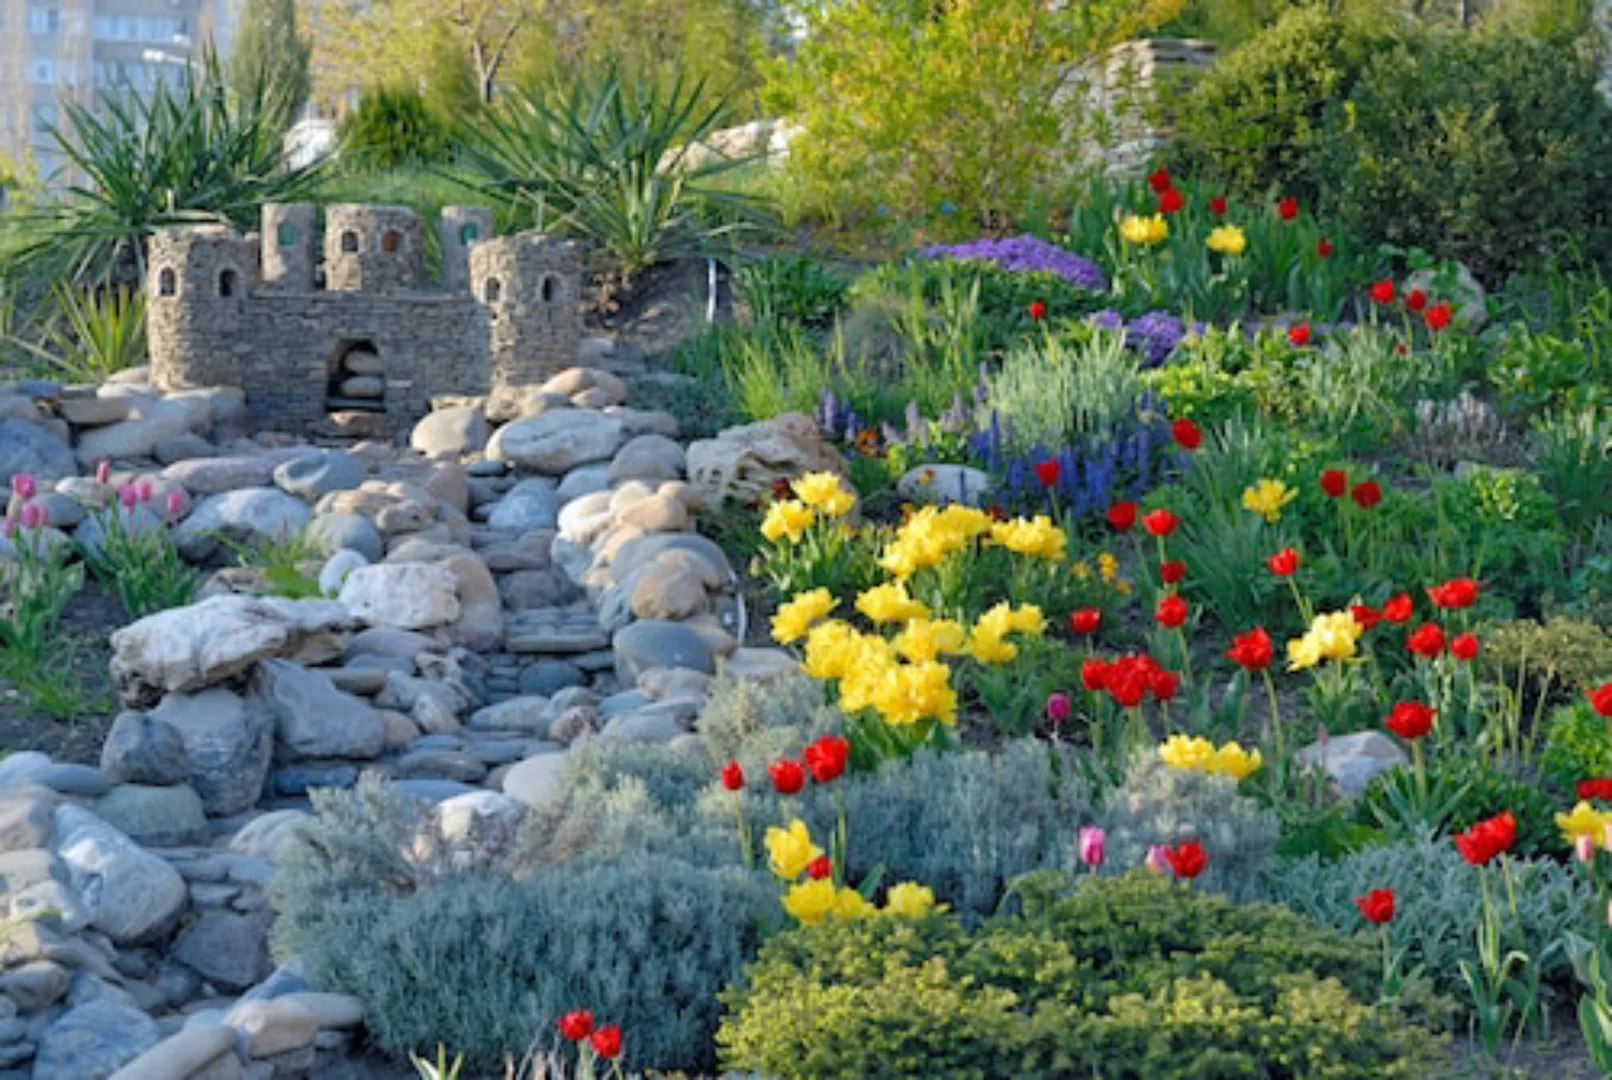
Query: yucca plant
{"x": 188, "y": 152}
{"x": 90, "y": 334}
{"x": 611, "y": 163}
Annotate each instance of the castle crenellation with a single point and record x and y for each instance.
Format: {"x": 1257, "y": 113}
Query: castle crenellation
{"x": 312, "y": 321}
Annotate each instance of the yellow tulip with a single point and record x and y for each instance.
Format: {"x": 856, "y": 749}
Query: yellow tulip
{"x": 810, "y": 902}
{"x": 795, "y": 618}
{"x": 787, "y": 518}
{"x": 791, "y": 850}
{"x": 910, "y": 900}
{"x": 1228, "y": 240}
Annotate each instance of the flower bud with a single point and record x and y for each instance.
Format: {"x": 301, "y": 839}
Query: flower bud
{"x": 1584, "y": 848}
{"x": 1093, "y": 846}
{"x": 1158, "y": 859}
{"x": 103, "y": 471}
{"x": 1058, "y": 708}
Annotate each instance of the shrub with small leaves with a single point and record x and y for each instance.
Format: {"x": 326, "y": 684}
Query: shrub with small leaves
{"x": 1578, "y": 745}
{"x": 1129, "y": 979}
{"x": 756, "y": 721}
{"x": 1160, "y": 805}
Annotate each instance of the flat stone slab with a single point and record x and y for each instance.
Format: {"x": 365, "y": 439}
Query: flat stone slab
{"x": 560, "y": 631}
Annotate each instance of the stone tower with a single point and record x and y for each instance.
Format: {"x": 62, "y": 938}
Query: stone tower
{"x": 529, "y": 284}
{"x": 290, "y": 241}
{"x": 460, "y": 228}
{"x": 199, "y": 280}
{"x": 373, "y": 249}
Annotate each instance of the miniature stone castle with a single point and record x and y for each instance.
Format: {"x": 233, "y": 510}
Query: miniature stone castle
{"x": 363, "y": 330}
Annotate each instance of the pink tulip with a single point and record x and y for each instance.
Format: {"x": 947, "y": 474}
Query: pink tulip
{"x": 1058, "y": 708}
{"x": 103, "y": 471}
{"x": 1584, "y": 848}
{"x": 144, "y": 490}
{"x": 1158, "y": 859}
{"x": 127, "y": 497}
{"x": 176, "y": 504}
{"x": 33, "y": 516}
{"x": 1093, "y": 845}
{"x": 23, "y": 485}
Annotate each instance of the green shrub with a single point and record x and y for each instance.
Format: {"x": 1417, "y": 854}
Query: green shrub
{"x": 392, "y": 128}
{"x": 1483, "y": 147}
{"x": 1123, "y": 980}
{"x": 484, "y": 963}
{"x": 1572, "y": 452}
{"x": 1160, "y": 805}
{"x": 1256, "y": 118}
{"x": 1475, "y": 788}
{"x": 1550, "y": 661}
{"x": 1578, "y": 745}
{"x": 1437, "y": 897}
{"x": 795, "y": 289}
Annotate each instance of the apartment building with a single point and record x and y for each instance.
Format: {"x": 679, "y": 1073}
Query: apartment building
{"x": 55, "y": 51}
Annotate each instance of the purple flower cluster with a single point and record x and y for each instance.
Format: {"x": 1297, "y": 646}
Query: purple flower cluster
{"x": 1026, "y": 253}
{"x": 1155, "y": 335}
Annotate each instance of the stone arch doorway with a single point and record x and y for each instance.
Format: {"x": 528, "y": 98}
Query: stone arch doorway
{"x": 356, "y": 377}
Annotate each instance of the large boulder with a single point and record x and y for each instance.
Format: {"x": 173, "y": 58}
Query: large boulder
{"x": 128, "y": 438}
{"x": 216, "y": 475}
{"x": 132, "y": 896}
{"x": 35, "y": 449}
{"x": 94, "y": 1041}
{"x": 314, "y": 475}
{"x": 168, "y": 816}
{"x": 556, "y": 442}
{"x": 228, "y": 744}
{"x": 313, "y": 718}
{"x": 530, "y": 505}
{"x": 408, "y": 596}
{"x": 653, "y": 643}
{"x": 460, "y": 429}
{"x": 251, "y": 515}
{"x": 647, "y": 457}
{"x": 744, "y": 462}
{"x": 186, "y": 649}
{"x": 228, "y": 950}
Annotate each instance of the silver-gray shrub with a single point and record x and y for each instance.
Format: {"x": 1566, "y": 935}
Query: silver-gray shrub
{"x": 754, "y": 722}
{"x": 1049, "y": 391}
{"x": 1438, "y": 901}
{"x": 483, "y": 961}
{"x": 1160, "y": 805}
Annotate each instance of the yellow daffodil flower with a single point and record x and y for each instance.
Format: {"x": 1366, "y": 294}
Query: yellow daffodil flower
{"x": 1267, "y": 498}
{"x": 795, "y": 618}
{"x": 787, "y": 518}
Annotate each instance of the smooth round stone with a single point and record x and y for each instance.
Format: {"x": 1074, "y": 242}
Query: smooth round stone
{"x": 313, "y": 476}
{"x": 299, "y": 781}
{"x": 546, "y": 678}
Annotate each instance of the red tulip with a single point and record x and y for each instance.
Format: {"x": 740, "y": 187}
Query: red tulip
{"x": 733, "y": 776}
{"x": 576, "y": 1025}
{"x": 1377, "y": 906}
{"x": 1046, "y": 472}
{"x": 788, "y": 777}
{"x": 1251, "y": 651}
{"x": 1187, "y": 859}
{"x": 1171, "y": 612}
{"x": 606, "y": 1041}
{"x": 1600, "y": 790}
{"x": 1399, "y": 608}
{"x": 1038, "y": 309}
{"x": 1416, "y": 300}
{"x": 1121, "y": 516}
{"x": 1464, "y": 647}
{"x": 1164, "y": 685}
{"x": 1438, "y": 316}
{"x": 819, "y": 868}
{"x": 1427, "y": 640}
{"x": 1367, "y": 494}
{"x": 1324, "y": 248}
{"x": 1085, "y": 620}
{"x": 1284, "y": 563}
{"x": 1601, "y": 700}
{"x": 1410, "y": 720}
{"x": 1288, "y": 208}
{"x": 1335, "y": 482}
{"x": 1058, "y": 708}
{"x": 1217, "y": 206}
{"x": 1187, "y": 433}
{"x": 1455, "y": 593}
{"x": 1170, "y": 201}
{"x": 1127, "y": 686}
{"x": 1094, "y": 674}
{"x": 1159, "y": 180}
{"x": 1298, "y": 335}
{"x": 1365, "y": 615}
{"x": 1172, "y": 571}
{"x": 1382, "y": 292}
{"x": 1488, "y": 838}
{"x": 826, "y": 758}
{"x": 1160, "y": 522}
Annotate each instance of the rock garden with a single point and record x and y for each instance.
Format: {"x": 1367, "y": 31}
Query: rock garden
{"x": 1147, "y": 623}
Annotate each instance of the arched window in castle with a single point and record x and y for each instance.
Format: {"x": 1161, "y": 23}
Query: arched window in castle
{"x": 494, "y": 291}
{"x": 551, "y": 290}
{"x": 226, "y": 283}
{"x": 286, "y": 235}
{"x": 167, "y": 283}
{"x": 391, "y": 241}
{"x": 469, "y": 232}
{"x": 349, "y": 241}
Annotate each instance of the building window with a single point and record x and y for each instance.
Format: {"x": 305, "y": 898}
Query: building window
{"x": 494, "y": 292}
{"x": 44, "y": 20}
{"x": 468, "y": 232}
{"x": 391, "y": 241}
{"x": 349, "y": 241}
{"x": 43, "y": 72}
{"x": 286, "y": 236}
{"x": 550, "y": 289}
{"x": 226, "y": 284}
{"x": 167, "y": 283}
